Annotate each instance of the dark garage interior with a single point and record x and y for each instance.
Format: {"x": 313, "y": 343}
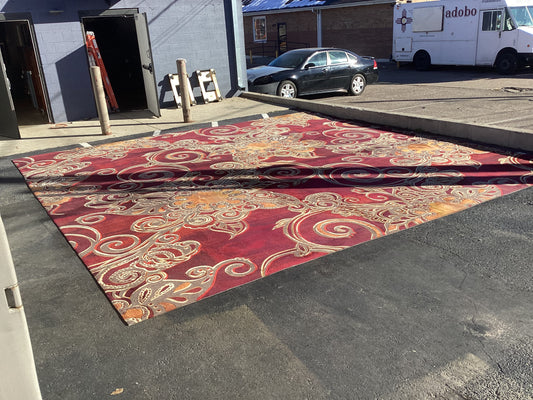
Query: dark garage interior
{"x": 117, "y": 40}
{"x": 22, "y": 70}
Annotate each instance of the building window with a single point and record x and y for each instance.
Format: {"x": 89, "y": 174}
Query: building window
{"x": 260, "y": 33}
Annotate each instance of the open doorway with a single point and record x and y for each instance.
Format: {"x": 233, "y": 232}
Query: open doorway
{"x": 119, "y": 43}
{"x": 23, "y": 72}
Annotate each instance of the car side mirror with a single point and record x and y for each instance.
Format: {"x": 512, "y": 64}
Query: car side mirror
{"x": 307, "y": 66}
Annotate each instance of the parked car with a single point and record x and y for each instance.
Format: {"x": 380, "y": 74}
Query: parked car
{"x": 310, "y": 71}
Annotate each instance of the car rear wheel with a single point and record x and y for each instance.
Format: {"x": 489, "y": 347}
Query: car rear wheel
{"x": 357, "y": 85}
{"x": 287, "y": 89}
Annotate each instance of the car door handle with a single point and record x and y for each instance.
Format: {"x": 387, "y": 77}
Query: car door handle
{"x": 324, "y": 70}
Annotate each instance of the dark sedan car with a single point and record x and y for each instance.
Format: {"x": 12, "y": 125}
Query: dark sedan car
{"x": 310, "y": 71}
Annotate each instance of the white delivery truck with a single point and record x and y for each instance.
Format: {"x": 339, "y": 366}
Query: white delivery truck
{"x": 495, "y": 33}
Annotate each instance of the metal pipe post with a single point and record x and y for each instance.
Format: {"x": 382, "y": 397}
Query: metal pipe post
{"x": 184, "y": 89}
{"x": 101, "y": 104}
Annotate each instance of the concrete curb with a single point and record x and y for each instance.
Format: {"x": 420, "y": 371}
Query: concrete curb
{"x": 517, "y": 139}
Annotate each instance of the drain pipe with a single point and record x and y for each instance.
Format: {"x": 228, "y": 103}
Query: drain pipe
{"x": 238, "y": 38}
{"x": 318, "y": 13}
{"x": 99, "y": 97}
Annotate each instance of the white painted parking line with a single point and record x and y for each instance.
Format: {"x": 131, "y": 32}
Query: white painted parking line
{"x": 525, "y": 117}
{"x": 84, "y": 144}
{"x": 157, "y": 133}
{"x": 411, "y": 107}
{"x": 214, "y": 124}
{"x": 265, "y": 116}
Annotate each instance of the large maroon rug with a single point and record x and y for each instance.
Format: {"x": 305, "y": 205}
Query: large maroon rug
{"x": 166, "y": 221}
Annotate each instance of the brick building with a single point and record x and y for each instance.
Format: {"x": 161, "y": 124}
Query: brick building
{"x": 42, "y": 43}
{"x": 274, "y": 26}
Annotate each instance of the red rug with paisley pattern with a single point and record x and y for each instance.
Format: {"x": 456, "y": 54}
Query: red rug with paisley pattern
{"x": 165, "y": 221}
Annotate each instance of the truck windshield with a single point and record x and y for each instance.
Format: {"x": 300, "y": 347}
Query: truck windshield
{"x": 523, "y": 16}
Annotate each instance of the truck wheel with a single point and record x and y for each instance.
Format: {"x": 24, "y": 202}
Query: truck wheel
{"x": 422, "y": 60}
{"x": 287, "y": 89}
{"x": 506, "y": 63}
{"x": 357, "y": 85}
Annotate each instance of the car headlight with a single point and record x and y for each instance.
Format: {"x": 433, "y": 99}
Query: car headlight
{"x": 263, "y": 80}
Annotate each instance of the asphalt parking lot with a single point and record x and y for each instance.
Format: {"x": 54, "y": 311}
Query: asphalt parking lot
{"x": 474, "y": 94}
{"x": 441, "y": 311}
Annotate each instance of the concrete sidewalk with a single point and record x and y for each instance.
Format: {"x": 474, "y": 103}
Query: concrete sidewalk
{"x": 36, "y": 138}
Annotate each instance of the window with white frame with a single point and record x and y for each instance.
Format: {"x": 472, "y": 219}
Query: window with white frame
{"x": 260, "y": 33}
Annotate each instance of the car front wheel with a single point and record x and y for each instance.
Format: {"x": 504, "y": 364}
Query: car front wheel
{"x": 357, "y": 85}
{"x": 507, "y": 63}
{"x": 287, "y": 89}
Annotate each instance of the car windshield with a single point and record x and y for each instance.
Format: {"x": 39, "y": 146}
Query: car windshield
{"x": 523, "y": 16}
{"x": 289, "y": 60}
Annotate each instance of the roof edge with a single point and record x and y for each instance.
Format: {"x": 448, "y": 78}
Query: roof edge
{"x": 312, "y": 8}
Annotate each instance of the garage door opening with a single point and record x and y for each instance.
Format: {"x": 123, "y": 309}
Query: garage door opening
{"x": 22, "y": 69}
{"x": 116, "y": 37}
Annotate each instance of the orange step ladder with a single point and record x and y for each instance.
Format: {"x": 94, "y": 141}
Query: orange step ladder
{"x": 95, "y": 59}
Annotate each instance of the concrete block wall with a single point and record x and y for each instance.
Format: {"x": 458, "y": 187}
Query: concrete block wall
{"x": 197, "y": 30}
{"x": 65, "y": 69}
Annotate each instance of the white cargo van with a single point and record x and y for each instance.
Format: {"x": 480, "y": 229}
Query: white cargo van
{"x": 495, "y": 33}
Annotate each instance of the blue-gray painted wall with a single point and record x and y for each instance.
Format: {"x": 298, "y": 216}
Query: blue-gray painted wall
{"x": 201, "y": 31}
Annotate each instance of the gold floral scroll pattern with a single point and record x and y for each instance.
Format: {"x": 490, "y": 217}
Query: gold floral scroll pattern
{"x": 163, "y": 222}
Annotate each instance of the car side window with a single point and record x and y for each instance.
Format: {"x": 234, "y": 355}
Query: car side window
{"x": 337, "y": 57}
{"x": 319, "y": 59}
{"x": 352, "y": 59}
